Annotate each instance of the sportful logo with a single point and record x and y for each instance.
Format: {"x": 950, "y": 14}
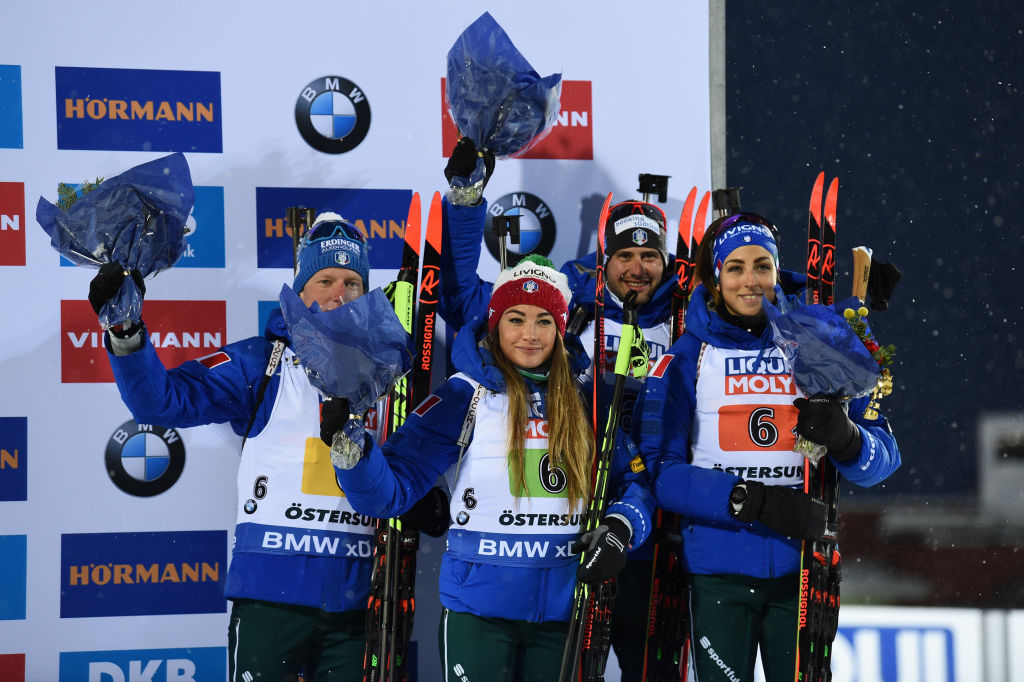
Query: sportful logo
{"x": 179, "y": 330}
{"x": 333, "y": 114}
{"x": 571, "y": 137}
{"x": 12, "y": 218}
{"x": 138, "y": 110}
{"x": 134, "y": 574}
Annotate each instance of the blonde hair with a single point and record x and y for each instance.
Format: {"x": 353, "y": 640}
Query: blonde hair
{"x": 570, "y": 438}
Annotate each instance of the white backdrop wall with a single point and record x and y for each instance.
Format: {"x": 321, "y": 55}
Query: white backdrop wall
{"x": 96, "y": 578}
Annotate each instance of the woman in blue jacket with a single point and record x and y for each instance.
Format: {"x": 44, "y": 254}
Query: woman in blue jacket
{"x": 510, "y": 434}
{"x": 720, "y": 413}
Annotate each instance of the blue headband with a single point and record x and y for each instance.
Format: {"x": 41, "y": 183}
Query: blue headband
{"x": 743, "y": 234}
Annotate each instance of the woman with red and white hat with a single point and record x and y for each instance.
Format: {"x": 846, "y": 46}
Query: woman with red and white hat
{"x": 519, "y": 482}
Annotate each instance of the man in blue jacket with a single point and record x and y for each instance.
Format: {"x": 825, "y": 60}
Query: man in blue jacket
{"x": 300, "y": 569}
{"x": 636, "y": 259}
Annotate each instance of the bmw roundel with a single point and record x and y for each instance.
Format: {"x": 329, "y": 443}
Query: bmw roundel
{"x": 536, "y": 226}
{"x": 144, "y": 460}
{"x": 333, "y": 114}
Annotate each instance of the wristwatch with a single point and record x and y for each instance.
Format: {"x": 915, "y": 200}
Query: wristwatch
{"x": 737, "y": 497}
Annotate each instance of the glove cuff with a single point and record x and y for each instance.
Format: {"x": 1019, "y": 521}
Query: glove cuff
{"x": 745, "y": 500}
{"x": 849, "y": 451}
{"x": 620, "y": 526}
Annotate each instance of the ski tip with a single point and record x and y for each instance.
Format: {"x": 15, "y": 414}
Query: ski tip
{"x": 602, "y": 219}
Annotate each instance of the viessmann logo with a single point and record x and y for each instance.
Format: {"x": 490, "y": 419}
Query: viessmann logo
{"x": 12, "y": 220}
{"x": 178, "y": 330}
{"x": 571, "y": 137}
{"x": 138, "y": 110}
{"x": 137, "y": 574}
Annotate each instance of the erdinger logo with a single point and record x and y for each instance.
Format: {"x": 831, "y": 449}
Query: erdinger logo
{"x": 536, "y": 226}
{"x": 332, "y": 114}
{"x": 144, "y": 460}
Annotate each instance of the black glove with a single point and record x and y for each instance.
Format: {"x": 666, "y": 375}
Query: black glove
{"x": 462, "y": 162}
{"x": 604, "y": 551}
{"x": 333, "y": 416}
{"x": 430, "y": 515}
{"x": 784, "y": 510}
{"x": 882, "y": 280}
{"x": 107, "y": 282}
{"x": 823, "y": 420}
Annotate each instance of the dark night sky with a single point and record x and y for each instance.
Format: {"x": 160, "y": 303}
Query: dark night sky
{"x": 917, "y": 108}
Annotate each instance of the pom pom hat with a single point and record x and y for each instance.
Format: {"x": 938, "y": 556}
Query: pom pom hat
{"x": 332, "y": 242}
{"x": 533, "y": 281}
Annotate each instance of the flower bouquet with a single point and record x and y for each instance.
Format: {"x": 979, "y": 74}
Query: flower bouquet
{"x": 136, "y": 219}
{"x": 356, "y": 352}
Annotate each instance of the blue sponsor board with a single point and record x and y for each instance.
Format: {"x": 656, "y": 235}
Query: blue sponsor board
{"x": 265, "y": 308}
{"x": 204, "y": 246}
{"x": 12, "y": 576}
{"x": 379, "y": 213}
{"x": 195, "y": 664}
{"x": 889, "y": 653}
{"x": 136, "y": 574}
{"x": 13, "y": 459}
{"x": 138, "y": 110}
{"x": 11, "y": 134}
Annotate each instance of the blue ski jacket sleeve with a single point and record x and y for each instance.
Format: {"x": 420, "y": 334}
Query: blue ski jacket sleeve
{"x": 463, "y": 294}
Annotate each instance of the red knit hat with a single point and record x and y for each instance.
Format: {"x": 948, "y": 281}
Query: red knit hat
{"x": 533, "y": 281}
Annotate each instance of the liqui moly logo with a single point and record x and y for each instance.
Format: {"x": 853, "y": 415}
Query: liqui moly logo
{"x": 571, "y": 136}
{"x": 178, "y": 330}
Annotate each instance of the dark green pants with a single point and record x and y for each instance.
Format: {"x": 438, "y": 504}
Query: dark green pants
{"x": 734, "y": 615}
{"x": 476, "y": 649}
{"x": 629, "y": 617}
{"x": 270, "y": 642}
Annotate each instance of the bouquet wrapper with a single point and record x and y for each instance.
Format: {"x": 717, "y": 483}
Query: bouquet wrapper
{"x": 356, "y": 352}
{"x": 136, "y": 219}
{"x": 826, "y": 355}
{"x": 495, "y": 97}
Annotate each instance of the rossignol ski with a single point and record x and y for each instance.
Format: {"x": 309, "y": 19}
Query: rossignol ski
{"x": 392, "y": 605}
{"x": 820, "y": 560}
{"x": 665, "y": 648}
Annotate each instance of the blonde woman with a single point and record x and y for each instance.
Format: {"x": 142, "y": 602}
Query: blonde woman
{"x": 519, "y": 482}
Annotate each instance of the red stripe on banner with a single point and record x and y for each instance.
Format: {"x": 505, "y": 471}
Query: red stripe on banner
{"x": 426, "y": 405}
{"x": 214, "y": 359}
{"x": 660, "y": 366}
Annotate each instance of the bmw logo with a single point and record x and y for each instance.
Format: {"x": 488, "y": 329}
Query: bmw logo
{"x": 536, "y": 226}
{"x": 144, "y": 460}
{"x": 332, "y": 114}
{"x": 462, "y": 519}
{"x": 250, "y": 506}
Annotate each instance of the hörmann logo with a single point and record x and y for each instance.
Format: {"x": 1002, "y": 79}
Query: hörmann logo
{"x": 13, "y": 459}
{"x": 135, "y": 574}
{"x": 571, "y": 137}
{"x": 178, "y": 330}
{"x": 138, "y": 110}
{"x": 333, "y": 114}
{"x": 537, "y": 229}
{"x": 12, "y": 220}
{"x": 144, "y": 460}
{"x": 380, "y": 214}
{"x": 194, "y": 664}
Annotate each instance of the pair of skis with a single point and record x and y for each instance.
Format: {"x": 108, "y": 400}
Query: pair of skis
{"x": 820, "y": 561}
{"x": 392, "y": 604}
{"x": 666, "y": 646}
{"x": 589, "y": 639}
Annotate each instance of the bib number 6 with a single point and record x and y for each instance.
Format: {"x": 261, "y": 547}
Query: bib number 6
{"x": 551, "y": 477}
